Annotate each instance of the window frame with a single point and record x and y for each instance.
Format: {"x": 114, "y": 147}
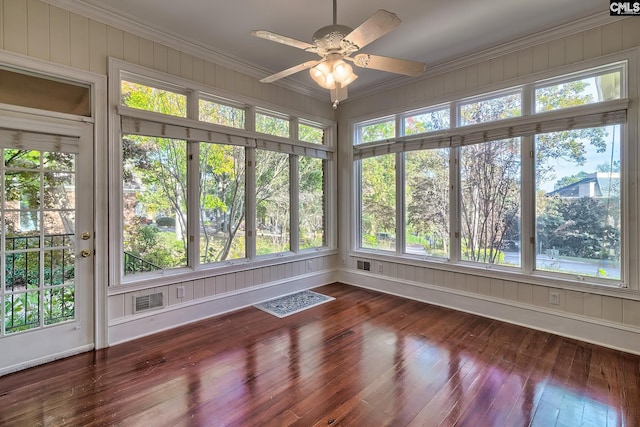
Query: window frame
{"x": 199, "y": 131}
{"x": 455, "y": 137}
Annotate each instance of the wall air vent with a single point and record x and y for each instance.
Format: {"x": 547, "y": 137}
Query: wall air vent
{"x": 363, "y": 265}
{"x": 147, "y": 302}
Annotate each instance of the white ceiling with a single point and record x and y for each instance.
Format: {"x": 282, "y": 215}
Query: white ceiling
{"x": 432, "y": 31}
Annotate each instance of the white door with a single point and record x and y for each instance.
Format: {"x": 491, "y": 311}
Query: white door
{"x": 46, "y": 245}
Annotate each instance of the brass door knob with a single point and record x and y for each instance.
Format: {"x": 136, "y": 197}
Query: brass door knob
{"x": 85, "y": 253}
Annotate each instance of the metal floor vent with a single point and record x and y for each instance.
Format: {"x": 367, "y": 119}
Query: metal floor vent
{"x": 147, "y": 302}
{"x": 364, "y": 265}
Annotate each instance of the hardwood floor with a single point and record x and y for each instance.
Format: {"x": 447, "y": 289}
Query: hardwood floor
{"x": 364, "y": 359}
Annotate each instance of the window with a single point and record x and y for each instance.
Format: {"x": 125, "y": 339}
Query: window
{"x": 154, "y": 215}
{"x": 491, "y": 109}
{"x": 310, "y": 133}
{"x": 523, "y": 189}
{"x": 375, "y": 131}
{"x": 589, "y": 89}
{"x": 272, "y": 125}
{"x": 311, "y": 198}
{"x": 378, "y": 203}
{"x": 272, "y": 202}
{"x": 427, "y": 202}
{"x": 490, "y": 202}
{"x": 52, "y": 94}
{"x": 148, "y": 98}
{"x": 222, "y": 202}
{"x": 578, "y": 213}
{"x": 427, "y": 121}
{"x": 197, "y": 173}
{"x": 211, "y": 111}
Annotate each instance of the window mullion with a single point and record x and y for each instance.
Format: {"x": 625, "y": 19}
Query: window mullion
{"x": 250, "y": 202}
{"x": 357, "y": 202}
{"x": 528, "y": 205}
{"x": 294, "y": 211}
{"x": 193, "y": 189}
{"x": 454, "y": 191}
{"x": 454, "y": 204}
{"x": 193, "y": 204}
{"x": 400, "y": 205}
{"x": 527, "y": 188}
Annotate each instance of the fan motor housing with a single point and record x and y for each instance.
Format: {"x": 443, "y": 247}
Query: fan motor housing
{"x": 331, "y": 36}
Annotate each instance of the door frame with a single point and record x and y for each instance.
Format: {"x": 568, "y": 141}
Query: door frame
{"x": 98, "y": 84}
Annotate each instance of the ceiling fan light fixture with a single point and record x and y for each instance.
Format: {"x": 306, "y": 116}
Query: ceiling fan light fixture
{"x": 322, "y": 74}
{"x": 342, "y": 71}
{"x": 349, "y": 79}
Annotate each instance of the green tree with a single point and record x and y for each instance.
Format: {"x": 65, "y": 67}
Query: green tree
{"x": 489, "y": 199}
{"x": 378, "y": 197}
{"x": 427, "y": 180}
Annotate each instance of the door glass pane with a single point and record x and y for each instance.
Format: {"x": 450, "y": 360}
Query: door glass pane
{"x": 21, "y": 311}
{"x": 44, "y": 93}
{"x": 578, "y": 188}
{"x": 38, "y": 213}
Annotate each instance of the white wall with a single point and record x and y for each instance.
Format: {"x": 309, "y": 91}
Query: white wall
{"x": 616, "y": 312}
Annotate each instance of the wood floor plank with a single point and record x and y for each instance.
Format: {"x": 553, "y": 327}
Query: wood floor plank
{"x": 364, "y": 359}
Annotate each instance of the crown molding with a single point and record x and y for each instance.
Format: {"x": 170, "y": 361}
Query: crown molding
{"x": 526, "y": 42}
{"x": 186, "y": 45}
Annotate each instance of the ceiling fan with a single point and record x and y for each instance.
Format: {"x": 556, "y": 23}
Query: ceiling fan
{"x": 335, "y": 44}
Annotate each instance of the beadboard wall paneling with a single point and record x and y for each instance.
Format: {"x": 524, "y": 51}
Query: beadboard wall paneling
{"x": 214, "y": 295}
{"x": 2, "y": 24}
{"x": 586, "y": 304}
{"x": 14, "y": 22}
{"x": 121, "y": 306}
{"x": 59, "y": 37}
{"x": 38, "y": 32}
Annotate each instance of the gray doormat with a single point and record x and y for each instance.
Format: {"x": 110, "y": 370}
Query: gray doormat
{"x": 293, "y": 303}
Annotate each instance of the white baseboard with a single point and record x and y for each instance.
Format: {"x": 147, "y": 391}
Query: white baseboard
{"x": 595, "y": 331}
{"x": 137, "y": 326}
{"x": 41, "y": 361}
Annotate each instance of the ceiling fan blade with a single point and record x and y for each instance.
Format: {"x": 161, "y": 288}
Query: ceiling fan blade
{"x": 378, "y": 24}
{"x": 268, "y": 35}
{"x": 289, "y": 71}
{"x": 392, "y": 65}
